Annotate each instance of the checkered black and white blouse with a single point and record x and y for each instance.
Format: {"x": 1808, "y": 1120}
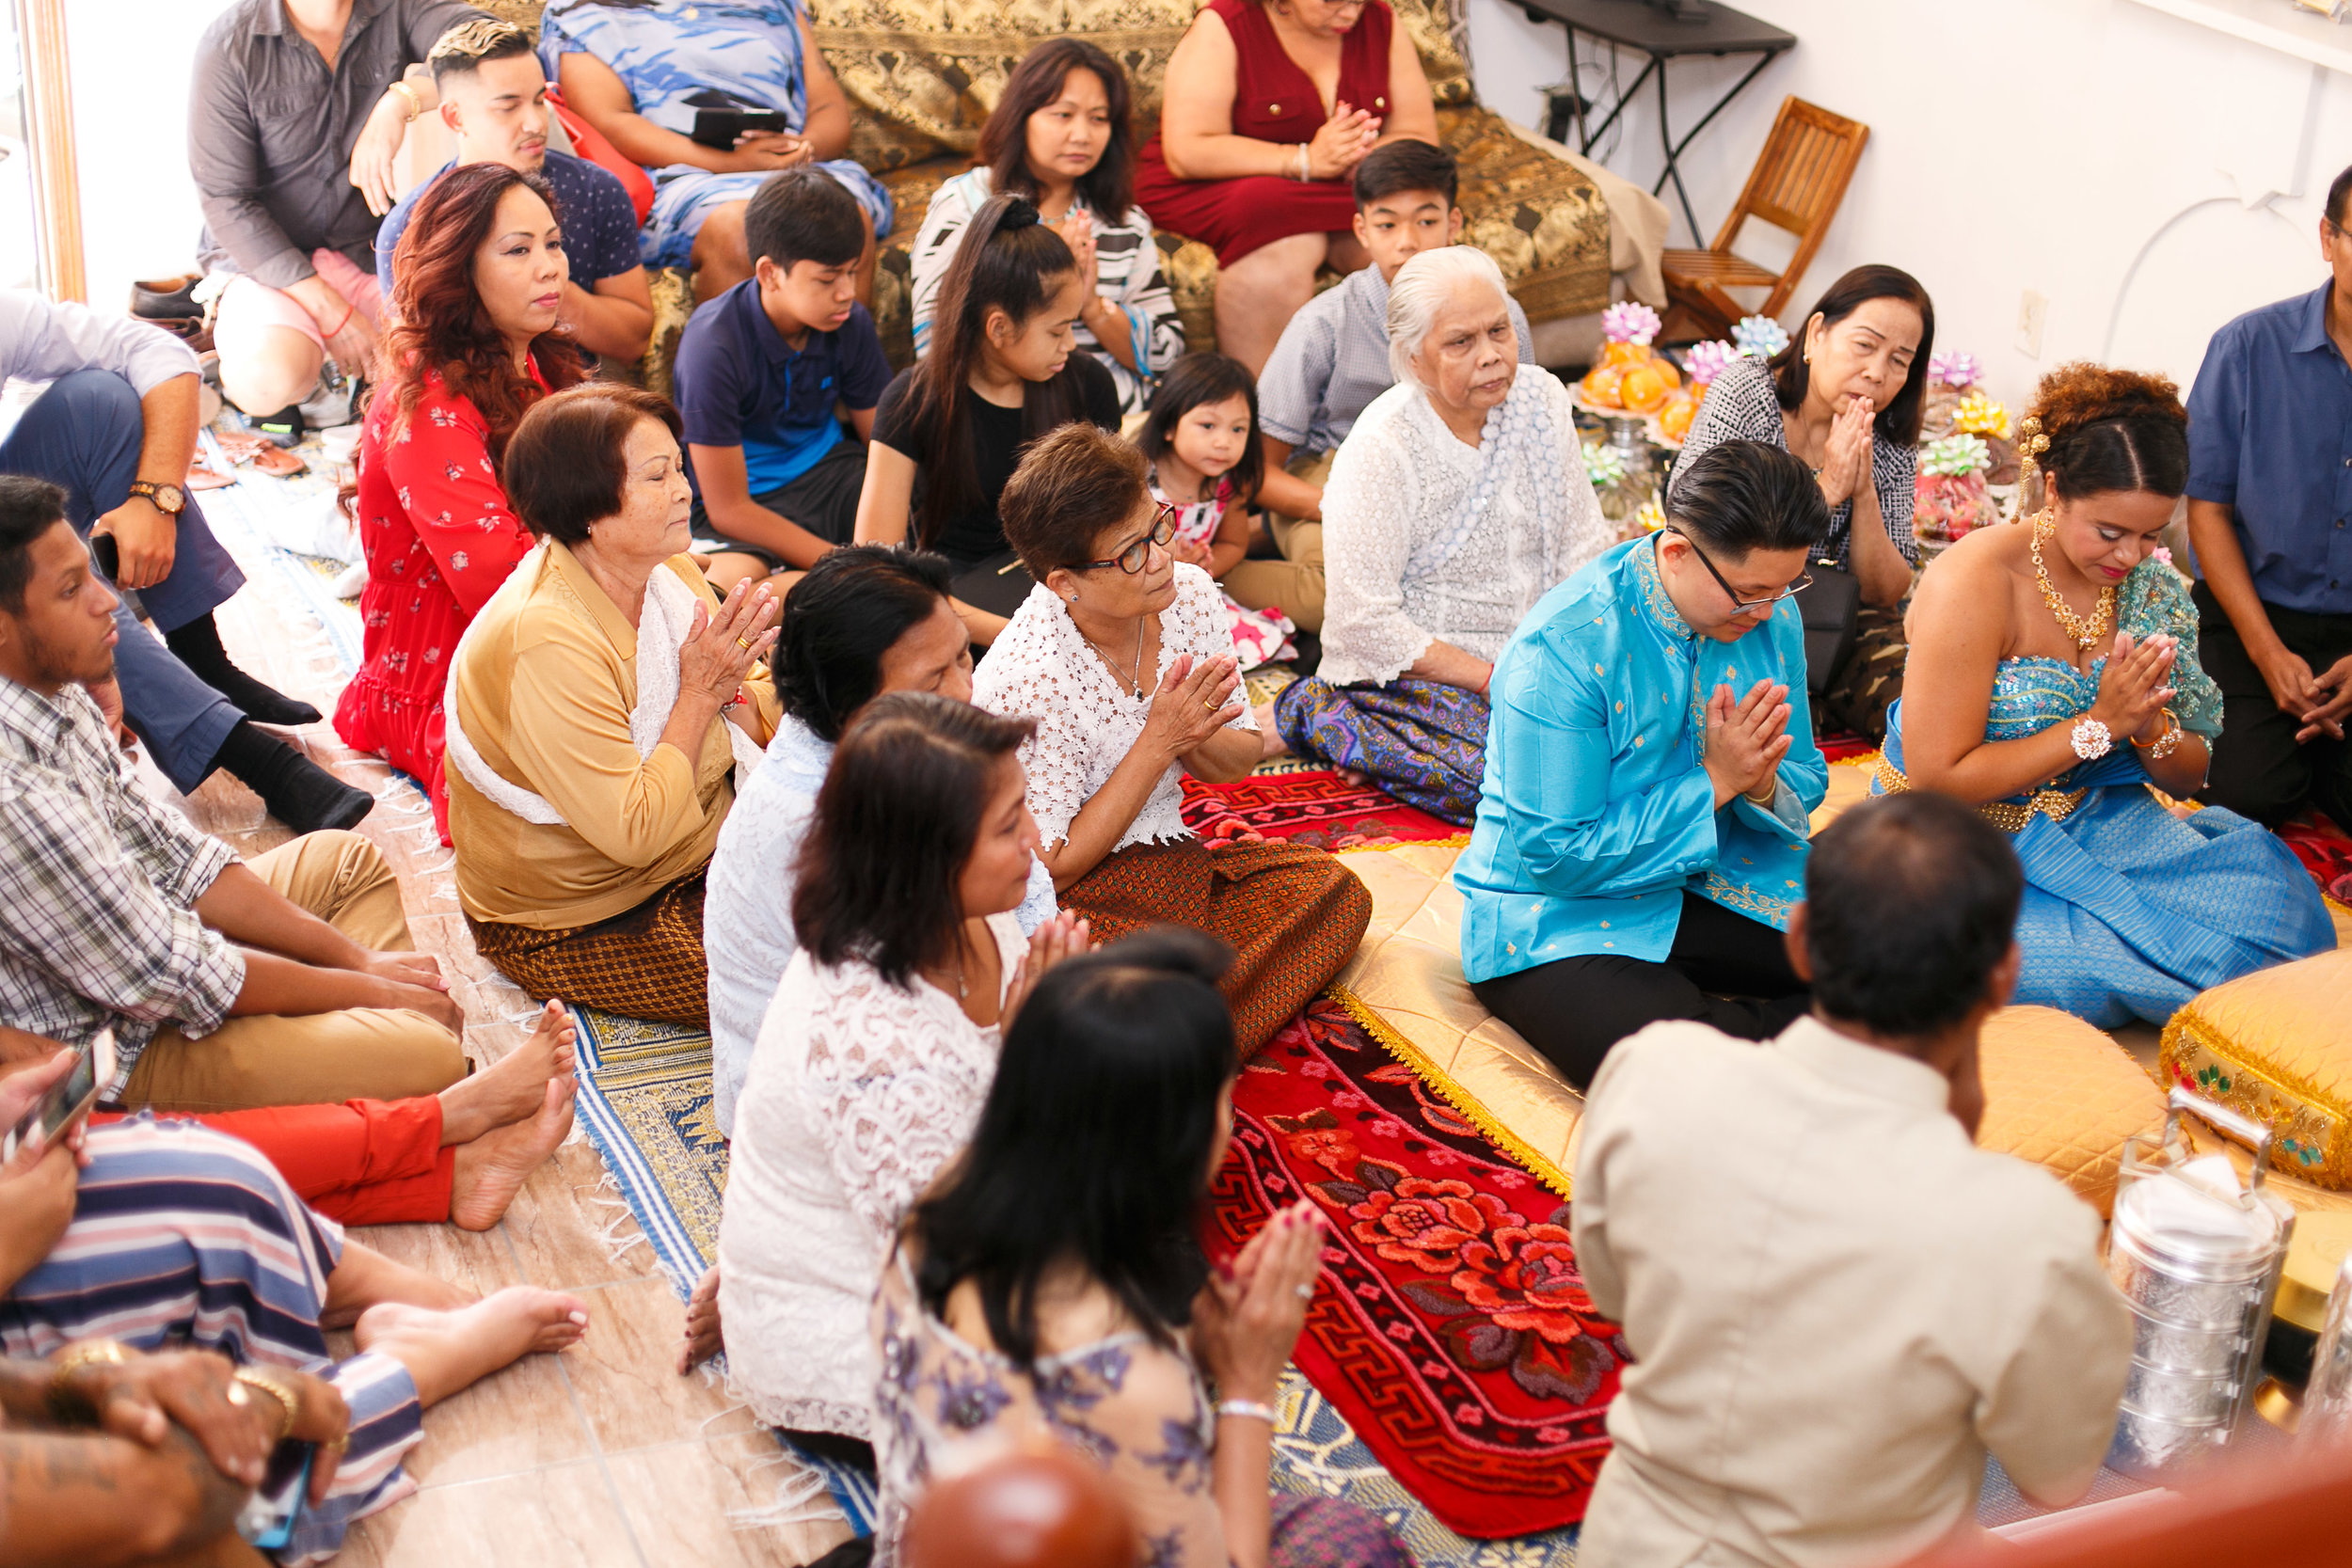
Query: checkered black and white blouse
{"x": 1741, "y": 406}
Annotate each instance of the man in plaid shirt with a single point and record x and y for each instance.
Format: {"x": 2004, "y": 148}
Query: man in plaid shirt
{"x": 284, "y": 980}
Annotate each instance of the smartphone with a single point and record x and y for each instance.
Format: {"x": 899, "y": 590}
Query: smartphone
{"x": 267, "y": 1519}
{"x": 108, "y": 555}
{"x": 68, "y": 1097}
{"x": 719, "y": 128}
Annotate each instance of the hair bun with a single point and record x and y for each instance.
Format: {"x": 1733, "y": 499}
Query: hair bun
{"x": 2076, "y": 396}
{"x": 1019, "y": 214}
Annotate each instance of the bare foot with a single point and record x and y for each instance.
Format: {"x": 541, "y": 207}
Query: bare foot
{"x": 493, "y": 1168}
{"x": 1270, "y": 741}
{"x": 704, "y": 1337}
{"x": 364, "y": 1278}
{"x": 445, "y": 1352}
{"x": 515, "y": 1086}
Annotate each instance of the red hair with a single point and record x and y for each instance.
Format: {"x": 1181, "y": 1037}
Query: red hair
{"x": 439, "y": 324}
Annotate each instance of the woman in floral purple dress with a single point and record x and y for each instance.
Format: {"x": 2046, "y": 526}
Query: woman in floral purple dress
{"x": 1051, "y": 1283}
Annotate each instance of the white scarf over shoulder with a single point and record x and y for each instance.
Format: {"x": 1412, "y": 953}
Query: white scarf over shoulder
{"x": 663, "y": 624}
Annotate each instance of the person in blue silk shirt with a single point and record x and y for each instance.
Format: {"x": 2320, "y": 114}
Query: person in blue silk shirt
{"x": 2270, "y": 517}
{"x": 2056, "y": 681}
{"x": 1649, "y": 786}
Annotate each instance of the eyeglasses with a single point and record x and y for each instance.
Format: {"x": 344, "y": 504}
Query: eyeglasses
{"x": 1739, "y": 603}
{"x": 1132, "y": 559}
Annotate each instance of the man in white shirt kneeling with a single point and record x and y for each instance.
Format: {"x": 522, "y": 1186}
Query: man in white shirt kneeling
{"x": 1836, "y": 1304}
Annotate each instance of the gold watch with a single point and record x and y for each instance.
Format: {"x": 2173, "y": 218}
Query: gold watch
{"x": 169, "y": 500}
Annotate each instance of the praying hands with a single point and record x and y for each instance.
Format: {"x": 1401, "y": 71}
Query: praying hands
{"x": 1746, "y": 740}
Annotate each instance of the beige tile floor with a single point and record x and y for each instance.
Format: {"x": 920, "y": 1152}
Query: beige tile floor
{"x": 601, "y": 1457}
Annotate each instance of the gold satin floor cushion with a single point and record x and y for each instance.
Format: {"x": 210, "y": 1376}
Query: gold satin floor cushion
{"x": 921, "y": 76}
{"x": 2058, "y": 1092}
{"x": 2277, "y": 1045}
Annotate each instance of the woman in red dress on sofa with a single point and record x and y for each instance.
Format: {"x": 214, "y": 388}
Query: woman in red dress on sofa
{"x": 475, "y": 286}
{"x": 1267, "y": 108}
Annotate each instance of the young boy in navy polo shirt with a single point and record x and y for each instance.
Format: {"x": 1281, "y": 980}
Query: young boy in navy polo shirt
{"x": 760, "y": 372}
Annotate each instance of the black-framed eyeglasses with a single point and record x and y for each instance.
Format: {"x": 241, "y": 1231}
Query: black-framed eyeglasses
{"x": 1737, "y": 604}
{"x": 1132, "y": 559}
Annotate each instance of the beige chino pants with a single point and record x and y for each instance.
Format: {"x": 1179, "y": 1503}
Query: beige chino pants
{"x": 1295, "y": 582}
{"x": 276, "y": 1059}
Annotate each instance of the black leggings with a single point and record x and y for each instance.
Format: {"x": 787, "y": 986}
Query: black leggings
{"x": 1574, "y": 1009}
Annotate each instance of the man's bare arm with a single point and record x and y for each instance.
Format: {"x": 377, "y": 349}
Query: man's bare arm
{"x": 77, "y": 1499}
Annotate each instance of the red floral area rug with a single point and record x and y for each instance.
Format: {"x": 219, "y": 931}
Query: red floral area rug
{"x": 1453, "y": 1329}
{"x": 1315, "y": 807}
{"x": 2325, "y": 851}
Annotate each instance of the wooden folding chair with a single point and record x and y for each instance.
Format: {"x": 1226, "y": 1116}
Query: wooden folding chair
{"x": 1796, "y": 186}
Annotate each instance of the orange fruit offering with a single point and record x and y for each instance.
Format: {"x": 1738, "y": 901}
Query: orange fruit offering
{"x": 1626, "y": 354}
{"x": 1674, "y": 421}
{"x": 1602, "y": 386}
{"x": 1642, "y": 389}
{"x": 1666, "y": 372}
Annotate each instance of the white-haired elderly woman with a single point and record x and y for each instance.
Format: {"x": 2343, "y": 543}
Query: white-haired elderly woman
{"x": 1456, "y": 501}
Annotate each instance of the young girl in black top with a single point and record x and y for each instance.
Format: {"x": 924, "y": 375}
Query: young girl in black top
{"x": 949, "y": 431}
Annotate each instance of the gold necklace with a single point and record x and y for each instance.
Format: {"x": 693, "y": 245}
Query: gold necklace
{"x": 2085, "y": 633}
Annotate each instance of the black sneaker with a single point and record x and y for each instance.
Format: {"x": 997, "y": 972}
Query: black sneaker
{"x": 284, "y": 428}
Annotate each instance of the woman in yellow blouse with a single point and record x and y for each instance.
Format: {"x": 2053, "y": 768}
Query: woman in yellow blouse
{"x": 599, "y": 709}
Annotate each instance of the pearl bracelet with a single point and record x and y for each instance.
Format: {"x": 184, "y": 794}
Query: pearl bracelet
{"x": 1303, "y": 175}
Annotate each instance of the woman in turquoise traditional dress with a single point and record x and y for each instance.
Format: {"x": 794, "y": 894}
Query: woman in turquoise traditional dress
{"x": 641, "y": 71}
{"x": 2053, "y": 678}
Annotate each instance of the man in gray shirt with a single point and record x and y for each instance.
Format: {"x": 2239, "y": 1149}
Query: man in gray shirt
{"x": 1333, "y": 359}
{"x": 297, "y": 111}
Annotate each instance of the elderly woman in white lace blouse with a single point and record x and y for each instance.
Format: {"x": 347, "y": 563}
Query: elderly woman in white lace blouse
{"x": 1122, "y": 657}
{"x": 1458, "y": 501}
{"x": 879, "y": 1046}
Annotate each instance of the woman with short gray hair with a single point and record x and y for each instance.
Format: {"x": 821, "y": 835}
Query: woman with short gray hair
{"x": 1456, "y": 501}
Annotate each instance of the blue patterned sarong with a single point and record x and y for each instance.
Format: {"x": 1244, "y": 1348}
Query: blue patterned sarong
{"x": 669, "y": 51}
{"x": 1423, "y": 741}
{"x": 2129, "y": 910}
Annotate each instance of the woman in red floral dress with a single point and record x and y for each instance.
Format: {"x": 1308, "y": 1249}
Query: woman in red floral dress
{"x": 475, "y": 285}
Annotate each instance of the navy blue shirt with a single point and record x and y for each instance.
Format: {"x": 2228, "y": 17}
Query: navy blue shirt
{"x": 740, "y": 384}
{"x": 599, "y": 220}
{"x": 2270, "y": 436}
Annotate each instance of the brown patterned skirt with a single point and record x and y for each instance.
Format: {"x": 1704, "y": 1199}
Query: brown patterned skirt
{"x": 645, "y": 963}
{"x": 1293, "y": 917}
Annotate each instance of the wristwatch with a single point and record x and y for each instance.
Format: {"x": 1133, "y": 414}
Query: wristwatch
{"x": 2092, "y": 739}
{"x": 166, "y": 499}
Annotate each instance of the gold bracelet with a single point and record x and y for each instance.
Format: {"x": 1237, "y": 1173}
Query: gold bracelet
{"x": 289, "y": 1398}
{"x": 2167, "y": 740}
{"x": 416, "y": 105}
{"x": 86, "y": 1352}
{"x": 1765, "y": 799}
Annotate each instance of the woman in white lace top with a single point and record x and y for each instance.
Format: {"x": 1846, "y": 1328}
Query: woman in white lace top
{"x": 1458, "y": 501}
{"x": 879, "y": 1044}
{"x": 1053, "y": 1286}
{"x": 1122, "y": 657}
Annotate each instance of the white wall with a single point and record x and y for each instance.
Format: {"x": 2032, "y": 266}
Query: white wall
{"x": 131, "y": 62}
{"x": 2150, "y": 176}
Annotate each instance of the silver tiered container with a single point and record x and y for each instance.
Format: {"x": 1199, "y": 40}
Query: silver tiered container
{"x": 2327, "y": 1396}
{"x": 2199, "y": 1269}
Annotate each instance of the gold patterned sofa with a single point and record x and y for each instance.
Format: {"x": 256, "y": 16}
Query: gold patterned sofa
{"x": 921, "y": 76}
